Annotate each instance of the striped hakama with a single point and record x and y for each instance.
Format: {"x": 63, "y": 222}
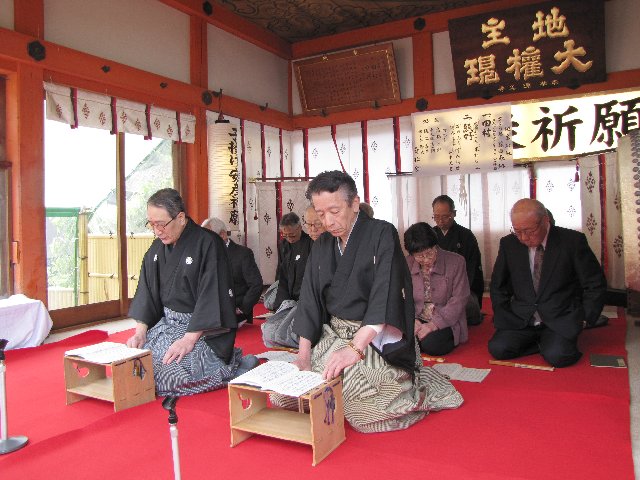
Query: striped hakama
{"x": 379, "y": 397}
{"x": 199, "y": 371}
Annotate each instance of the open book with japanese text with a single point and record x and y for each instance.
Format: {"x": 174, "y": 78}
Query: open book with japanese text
{"x": 106, "y": 352}
{"x": 280, "y": 377}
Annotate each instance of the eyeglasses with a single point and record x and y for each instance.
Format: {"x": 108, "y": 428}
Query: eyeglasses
{"x": 316, "y": 225}
{"x": 160, "y": 226}
{"x": 445, "y": 216}
{"x": 528, "y": 232}
{"x": 425, "y": 254}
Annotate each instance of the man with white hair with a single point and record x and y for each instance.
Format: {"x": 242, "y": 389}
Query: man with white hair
{"x": 547, "y": 285}
{"x": 247, "y": 280}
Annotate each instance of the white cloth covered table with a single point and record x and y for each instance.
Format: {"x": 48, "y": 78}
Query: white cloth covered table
{"x": 23, "y": 321}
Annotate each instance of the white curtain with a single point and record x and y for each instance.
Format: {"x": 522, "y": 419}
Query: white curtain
{"x": 381, "y": 154}
{"x": 594, "y": 219}
{"x": 272, "y": 151}
{"x": 266, "y": 251}
{"x": 293, "y": 198}
{"x": 322, "y": 153}
{"x": 557, "y": 188}
{"x": 482, "y": 204}
{"x": 349, "y": 141}
{"x": 94, "y": 110}
{"x": 253, "y": 165}
{"x": 286, "y": 153}
{"x": 297, "y": 154}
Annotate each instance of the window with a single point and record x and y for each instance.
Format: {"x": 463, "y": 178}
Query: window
{"x": 85, "y": 240}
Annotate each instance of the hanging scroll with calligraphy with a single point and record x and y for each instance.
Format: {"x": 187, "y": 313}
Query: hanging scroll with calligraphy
{"x": 358, "y": 78}
{"x": 224, "y": 185}
{"x": 470, "y": 140}
{"x": 539, "y": 46}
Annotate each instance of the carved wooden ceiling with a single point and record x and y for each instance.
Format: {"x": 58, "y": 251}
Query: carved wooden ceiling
{"x": 296, "y": 20}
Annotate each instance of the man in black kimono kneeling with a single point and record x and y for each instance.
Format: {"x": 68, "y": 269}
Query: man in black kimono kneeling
{"x": 184, "y": 305}
{"x": 356, "y": 315}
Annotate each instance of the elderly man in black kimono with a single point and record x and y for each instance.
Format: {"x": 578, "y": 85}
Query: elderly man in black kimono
{"x": 356, "y": 315}
{"x": 184, "y": 305}
{"x": 247, "y": 279}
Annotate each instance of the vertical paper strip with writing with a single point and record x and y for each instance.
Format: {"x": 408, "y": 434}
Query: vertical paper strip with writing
{"x": 459, "y": 141}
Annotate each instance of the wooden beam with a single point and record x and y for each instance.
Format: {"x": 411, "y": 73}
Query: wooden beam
{"x": 423, "y": 83}
{"x": 72, "y": 67}
{"x": 236, "y": 25}
{"x": 25, "y": 151}
{"x": 615, "y": 81}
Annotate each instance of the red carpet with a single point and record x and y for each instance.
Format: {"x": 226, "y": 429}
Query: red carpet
{"x": 518, "y": 424}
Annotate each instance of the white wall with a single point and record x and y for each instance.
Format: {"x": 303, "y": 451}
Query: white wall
{"x": 6, "y": 14}
{"x": 246, "y": 71}
{"x": 443, "y": 79}
{"x": 145, "y": 34}
{"x": 622, "y": 34}
{"x": 403, "y": 51}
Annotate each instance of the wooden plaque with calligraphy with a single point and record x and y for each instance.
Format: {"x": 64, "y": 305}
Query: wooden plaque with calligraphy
{"x": 539, "y": 46}
{"x": 358, "y": 78}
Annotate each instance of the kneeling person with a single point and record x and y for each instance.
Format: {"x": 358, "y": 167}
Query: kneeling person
{"x": 184, "y": 305}
{"x": 440, "y": 291}
{"x": 546, "y": 285}
{"x": 356, "y": 315}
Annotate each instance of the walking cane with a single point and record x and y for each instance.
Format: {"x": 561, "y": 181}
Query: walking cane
{"x": 169, "y": 403}
{"x": 7, "y": 445}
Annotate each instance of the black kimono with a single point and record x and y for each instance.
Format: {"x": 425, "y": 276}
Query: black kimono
{"x": 369, "y": 284}
{"x": 462, "y": 241}
{"x": 291, "y": 268}
{"x": 188, "y": 288}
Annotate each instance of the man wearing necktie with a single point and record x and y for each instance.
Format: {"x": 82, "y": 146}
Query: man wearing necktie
{"x": 546, "y": 285}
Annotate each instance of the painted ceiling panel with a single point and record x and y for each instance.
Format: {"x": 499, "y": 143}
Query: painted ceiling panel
{"x": 297, "y": 20}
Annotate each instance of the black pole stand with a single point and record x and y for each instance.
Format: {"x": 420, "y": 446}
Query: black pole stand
{"x": 169, "y": 403}
{"x": 7, "y": 444}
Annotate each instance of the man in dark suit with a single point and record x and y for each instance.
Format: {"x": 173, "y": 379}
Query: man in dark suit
{"x": 458, "y": 239}
{"x": 546, "y": 286}
{"x": 247, "y": 280}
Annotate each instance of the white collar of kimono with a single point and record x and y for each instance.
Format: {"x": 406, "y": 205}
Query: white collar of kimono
{"x": 348, "y": 236}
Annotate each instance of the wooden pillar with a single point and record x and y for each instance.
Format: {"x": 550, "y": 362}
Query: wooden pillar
{"x": 28, "y": 17}
{"x": 25, "y": 150}
{"x": 195, "y": 185}
{"x": 423, "y": 83}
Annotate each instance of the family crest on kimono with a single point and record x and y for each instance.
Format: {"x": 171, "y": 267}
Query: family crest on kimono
{"x": 184, "y": 304}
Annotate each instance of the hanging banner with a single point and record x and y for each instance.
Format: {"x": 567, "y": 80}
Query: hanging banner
{"x": 534, "y": 47}
{"x": 224, "y": 191}
{"x": 573, "y": 126}
{"x": 460, "y": 141}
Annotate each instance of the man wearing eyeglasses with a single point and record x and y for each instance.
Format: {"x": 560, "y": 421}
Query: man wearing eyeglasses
{"x": 458, "y": 239}
{"x": 277, "y": 331}
{"x": 546, "y": 286}
{"x": 294, "y": 251}
{"x": 184, "y": 305}
{"x": 313, "y": 224}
